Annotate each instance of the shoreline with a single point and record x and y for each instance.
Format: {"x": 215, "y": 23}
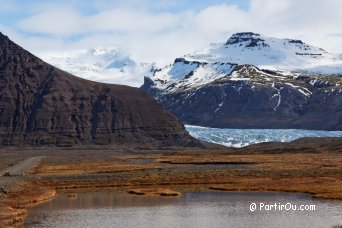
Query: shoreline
{"x": 310, "y": 166}
{"x": 19, "y": 206}
{"x": 16, "y": 206}
{"x": 156, "y": 191}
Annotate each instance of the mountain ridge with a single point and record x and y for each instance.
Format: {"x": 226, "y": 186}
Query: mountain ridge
{"x": 112, "y": 65}
{"x": 210, "y": 89}
{"x": 269, "y": 53}
{"x": 43, "y": 105}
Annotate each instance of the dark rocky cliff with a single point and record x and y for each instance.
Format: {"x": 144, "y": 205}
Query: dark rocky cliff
{"x": 257, "y": 99}
{"x": 42, "y": 105}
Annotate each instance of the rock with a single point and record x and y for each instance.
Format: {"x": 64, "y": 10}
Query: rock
{"x": 41, "y": 105}
{"x": 248, "y": 39}
{"x": 136, "y": 192}
{"x": 3, "y": 191}
{"x": 7, "y": 174}
{"x": 72, "y": 195}
{"x": 256, "y": 99}
{"x": 154, "y": 191}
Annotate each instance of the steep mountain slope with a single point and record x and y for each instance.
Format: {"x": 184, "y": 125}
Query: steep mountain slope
{"x": 42, "y": 105}
{"x": 109, "y": 65}
{"x": 219, "y": 87}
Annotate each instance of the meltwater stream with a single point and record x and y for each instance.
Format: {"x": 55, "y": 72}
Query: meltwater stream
{"x": 245, "y": 137}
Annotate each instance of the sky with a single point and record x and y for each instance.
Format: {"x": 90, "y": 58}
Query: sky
{"x": 152, "y": 30}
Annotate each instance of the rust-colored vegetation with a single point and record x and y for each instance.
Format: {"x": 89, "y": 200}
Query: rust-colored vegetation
{"x": 90, "y": 168}
{"x": 14, "y": 208}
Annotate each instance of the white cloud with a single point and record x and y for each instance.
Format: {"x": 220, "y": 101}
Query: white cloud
{"x": 60, "y": 21}
{"x": 157, "y": 34}
{"x": 127, "y": 20}
{"x": 69, "y": 22}
{"x": 218, "y": 19}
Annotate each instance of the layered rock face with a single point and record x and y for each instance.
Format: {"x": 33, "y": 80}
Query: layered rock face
{"x": 42, "y": 105}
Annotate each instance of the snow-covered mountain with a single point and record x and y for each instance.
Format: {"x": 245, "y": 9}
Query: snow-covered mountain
{"x": 252, "y": 81}
{"x": 284, "y": 56}
{"x": 281, "y": 56}
{"x": 109, "y": 65}
{"x": 270, "y": 53}
{"x": 249, "y": 81}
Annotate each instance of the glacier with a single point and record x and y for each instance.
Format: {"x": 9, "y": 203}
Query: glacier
{"x": 107, "y": 65}
{"x": 243, "y": 137}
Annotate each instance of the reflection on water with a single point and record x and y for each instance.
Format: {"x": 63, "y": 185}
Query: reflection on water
{"x": 202, "y": 209}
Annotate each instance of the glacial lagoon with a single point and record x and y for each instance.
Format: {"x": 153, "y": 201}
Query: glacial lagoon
{"x": 191, "y": 210}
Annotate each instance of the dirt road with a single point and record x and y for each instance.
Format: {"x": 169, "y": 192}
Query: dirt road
{"x": 16, "y": 171}
{"x": 23, "y": 167}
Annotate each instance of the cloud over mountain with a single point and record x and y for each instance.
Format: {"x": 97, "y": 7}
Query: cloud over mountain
{"x": 164, "y": 30}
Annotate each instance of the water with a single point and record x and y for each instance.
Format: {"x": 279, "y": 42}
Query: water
{"x": 245, "y": 137}
{"x": 191, "y": 210}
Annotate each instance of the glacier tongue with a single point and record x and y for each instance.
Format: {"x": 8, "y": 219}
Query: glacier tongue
{"x": 244, "y": 137}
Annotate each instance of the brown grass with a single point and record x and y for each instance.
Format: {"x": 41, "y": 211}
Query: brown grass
{"x": 89, "y": 168}
{"x": 316, "y": 173}
{"x": 10, "y": 216}
{"x": 319, "y": 174}
{"x": 13, "y": 209}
